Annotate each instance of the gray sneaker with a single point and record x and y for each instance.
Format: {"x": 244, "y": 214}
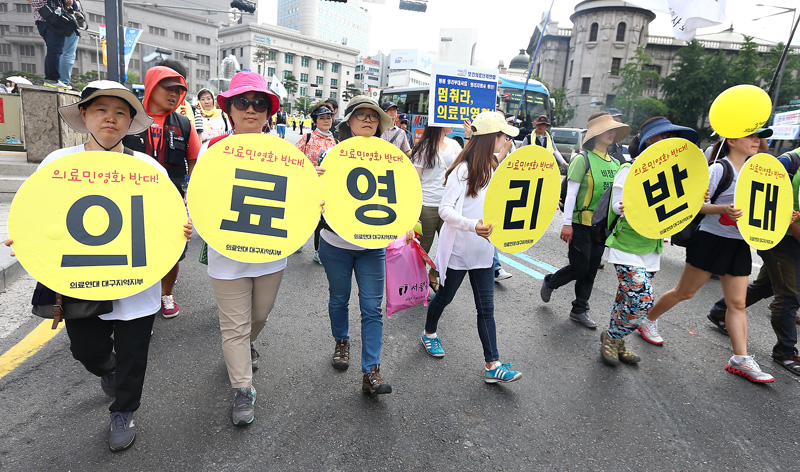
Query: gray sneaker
{"x": 749, "y": 369}
{"x": 244, "y": 401}
{"x": 122, "y": 430}
{"x": 254, "y": 356}
{"x": 107, "y": 384}
{"x": 583, "y": 319}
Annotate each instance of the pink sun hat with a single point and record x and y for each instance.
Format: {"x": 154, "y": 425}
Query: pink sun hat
{"x": 249, "y": 81}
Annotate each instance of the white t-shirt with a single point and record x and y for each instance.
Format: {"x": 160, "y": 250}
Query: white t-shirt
{"x": 224, "y": 268}
{"x": 433, "y": 179}
{"x": 711, "y": 223}
{"x": 146, "y": 302}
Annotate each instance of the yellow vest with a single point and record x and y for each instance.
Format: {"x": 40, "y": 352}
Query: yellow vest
{"x": 548, "y": 141}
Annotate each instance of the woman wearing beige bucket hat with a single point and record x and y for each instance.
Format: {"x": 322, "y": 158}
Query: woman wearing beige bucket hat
{"x": 588, "y": 176}
{"x": 114, "y": 346}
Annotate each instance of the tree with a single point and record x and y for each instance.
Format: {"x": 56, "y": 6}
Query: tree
{"x": 290, "y": 83}
{"x": 82, "y": 79}
{"x": 261, "y": 57}
{"x": 635, "y": 78}
{"x": 743, "y": 68}
{"x": 133, "y": 77}
{"x": 790, "y": 82}
{"x": 350, "y": 91}
{"x": 302, "y": 104}
{"x": 563, "y": 110}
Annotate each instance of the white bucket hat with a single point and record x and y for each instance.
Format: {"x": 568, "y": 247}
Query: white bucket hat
{"x": 72, "y": 113}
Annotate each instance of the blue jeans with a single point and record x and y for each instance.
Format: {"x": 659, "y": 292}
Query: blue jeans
{"x": 54, "y": 44}
{"x": 68, "y": 57}
{"x": 496, "y": 261}
{"x": 482, "y": 281}
{"x": 369, "y": 267}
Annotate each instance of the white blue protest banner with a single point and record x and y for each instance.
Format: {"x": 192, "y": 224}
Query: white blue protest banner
{"x": 460, "y": 92}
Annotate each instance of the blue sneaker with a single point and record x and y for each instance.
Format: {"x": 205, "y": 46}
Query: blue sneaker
{"x": 501, "y": 373}
{"x": 433, "y": 345}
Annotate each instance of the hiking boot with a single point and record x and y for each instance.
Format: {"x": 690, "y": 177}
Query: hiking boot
{"x": 609, "y": 349}
{"x": 122, "y": 430}
{"x": 169, "y": 308}
{"x": 373, "y": 383}
{"x": 341, "y": 355}
{"x": 501, "y": 373}
{"x": 501, "y": 274}
{"x": 582, "y": 319}
{"x": 749, "y": 369}
{"x": 545, "y": 291}
{"x": 254, "y": 356}
{"x": 244, "y": 401}
{"x": 649, "y": 331}
{"x": 720, "y": 324}
{"x": 107, "y": 384}
{"x": 433, "y": 345}
{"x": 626, "y": 355}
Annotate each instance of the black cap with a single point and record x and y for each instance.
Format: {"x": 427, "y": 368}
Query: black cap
{"x": 388, "y": 104}
{"x": 613, "y": 112}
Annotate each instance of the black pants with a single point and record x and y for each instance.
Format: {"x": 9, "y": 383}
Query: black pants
{"x": 584, "y": 259}
{"x": 54, "y": 45}
{"x": 317, "y": 231}
{"x": 91, "y": 344}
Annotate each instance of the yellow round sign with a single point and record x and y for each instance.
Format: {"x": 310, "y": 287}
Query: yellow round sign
{"x": 97, "y": 225}
{"x": 764, "y": 194}
{"x": 522, "y": 198}
{"x": 371, "y": 190}
{"x": 665, "y": 188}
{"x": 254, "y": 197}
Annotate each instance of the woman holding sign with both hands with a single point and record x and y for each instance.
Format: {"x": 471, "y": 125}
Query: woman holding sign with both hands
{"x": 114, "y": 346}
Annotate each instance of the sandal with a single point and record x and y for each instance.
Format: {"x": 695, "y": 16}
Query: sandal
{"x": 793, "y": 367}
{"x": 433, "y": 285}
{"x": 609, "y": 349}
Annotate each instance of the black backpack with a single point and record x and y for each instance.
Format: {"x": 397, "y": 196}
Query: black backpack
{"x": 684, "y": 236}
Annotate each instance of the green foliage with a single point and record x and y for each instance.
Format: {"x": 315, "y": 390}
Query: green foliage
{"x": 744, "y": 68}
{"x": 34, "y": 78}
{"x": 634, "y": 81}
{"x": 133, "y": 77}
{"x": 350, "y": 91}
{"x": 302, "y": 104}
{"x": 563, "y": 110}
{"x": 790, "y": 82}
{"x": 646, "y": 108}
{"x": 82, "y": 79}
{"x": 290, "y": 83}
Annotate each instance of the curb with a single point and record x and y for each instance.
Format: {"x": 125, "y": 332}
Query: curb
{"x": 10, "y": 270}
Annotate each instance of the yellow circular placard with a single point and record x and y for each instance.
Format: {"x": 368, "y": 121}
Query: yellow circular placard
{"x": 97, "y": 225}
{"x": 254, "y": 197}
{"x": 371, "y": 190}
{"x": 665, "y": 188}
{"x": 522, "y": 198}
{"x": 764, "y": 194}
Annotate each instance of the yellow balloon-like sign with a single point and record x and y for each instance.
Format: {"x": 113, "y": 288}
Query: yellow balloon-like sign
{"x": 371, "y": 190}
{"x": 665, "y": 188}
{"x": 740, "y": 111}
{"x": 522, "y": 198}
{"x": 764, "y": 194}
{"x": 97, "y": 225}
{"x": 254, "y": 197}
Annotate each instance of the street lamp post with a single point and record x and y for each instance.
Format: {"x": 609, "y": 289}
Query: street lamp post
{"x": 779, "y": 71}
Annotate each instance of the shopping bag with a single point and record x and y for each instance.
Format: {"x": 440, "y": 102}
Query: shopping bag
{"x": 406, "y": 277}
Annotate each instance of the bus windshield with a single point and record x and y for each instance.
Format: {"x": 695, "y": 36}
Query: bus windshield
{"x": 537, "y": 102}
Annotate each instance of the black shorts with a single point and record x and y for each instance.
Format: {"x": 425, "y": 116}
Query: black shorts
{"x": 719, "y": 255}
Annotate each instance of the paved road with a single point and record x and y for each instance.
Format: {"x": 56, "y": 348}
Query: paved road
{"x": 677, "y": 410}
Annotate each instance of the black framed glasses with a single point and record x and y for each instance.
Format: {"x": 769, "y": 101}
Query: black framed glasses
{"x": 361, "y": 116}
{"x": 259, "y": 104}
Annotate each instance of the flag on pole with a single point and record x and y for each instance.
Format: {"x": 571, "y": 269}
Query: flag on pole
{"x": 277, "y": 87}
{"x": 687, "y": 15}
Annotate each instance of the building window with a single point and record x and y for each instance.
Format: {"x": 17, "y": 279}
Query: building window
{"x": 233, "y": 52}
{"x": 23, "y": 8}
{"x": 4, "y": 30}
{"x": 286, "y": 74}
{"x": 3, "y": 7}
{"x": 593, "y": 32}
{"x": 621, "y": 31}
{"x": 318, "y": 93}
{"x": 357, "y": 76}
{"x": 289, "y": 59}
{"x": 616, "y": 63}
{"x": 653, "y": 82}
{"x": 302, "y": 91}
{"x": 93, "y": 18}
{"x": 585, "y": 83}
{"x": 5, "y": 66}
{"x": 241, "y": 52}
{"x": 304, "y": 62}
{"x": 610, "y": 99}
{"x": 273, "y": 55}
{"x": 25, "y": 30}
{"x": 5, "y": 49}
{"x": 571, "y": 63}
{"x": 156, "y": 31}
{"x": 320, "y": 65}
{"x": 319, "y": 80}
{"x": 203, "y": 59}
{"x": 202, "y": 74}
{"x": 333, "y": 95}
{"x": 135, "y": 64}
{"x": 303, "y": 78}
{"x": 28, "y": 68}
{"x": 334, "y": 82}
{"x": 270, "y": 71}
{"x": 182, "y": 36}
{"x": 202, "y": 40}
{"x": 134, "y": 25}
{"x": 335, "y": 69}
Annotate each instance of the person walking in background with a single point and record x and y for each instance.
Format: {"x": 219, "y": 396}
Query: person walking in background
{"x": 215, "y": 121}
{"x": 616, "y": 149}
{"x": 541, "y": 137}
{"x": 584, "y": 188}
{"x": 280, "y": 123}
{"x": 402, "y": 119}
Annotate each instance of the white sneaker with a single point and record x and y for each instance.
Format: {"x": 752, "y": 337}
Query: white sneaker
{"x": 749, "y": 369}
{"x": 649, "y": 331}
{"x": 501, "y": 275}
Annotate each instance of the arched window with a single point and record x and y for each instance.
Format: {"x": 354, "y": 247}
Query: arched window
{"x": 593, "y": 32}
{"x": 621, "y": 31}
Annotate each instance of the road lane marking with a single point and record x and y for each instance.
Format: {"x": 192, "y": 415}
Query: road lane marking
{"x": 541, "y": 265}
{"x": 29, "y": 346}
{"x": 518, "y": 266}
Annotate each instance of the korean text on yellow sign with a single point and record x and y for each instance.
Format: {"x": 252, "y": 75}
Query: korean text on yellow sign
{"x": 98, "y": 225}
{"x": 764, "y": 194}
{"x": 254, "y": 198}
{"x": 522, "y": 198}
{"x": 371, "y": 190}
{"x": 665, "y": 188}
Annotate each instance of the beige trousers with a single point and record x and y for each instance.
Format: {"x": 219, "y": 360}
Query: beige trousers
{"x": 244, "y": 305}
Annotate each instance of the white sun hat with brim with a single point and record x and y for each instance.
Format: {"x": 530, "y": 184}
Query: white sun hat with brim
{"x": 360, "y": 101}
{"x": 72, "y": 113}
{"x": 489, "y": 122}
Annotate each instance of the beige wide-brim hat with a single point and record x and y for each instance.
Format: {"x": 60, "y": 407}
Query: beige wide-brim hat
{"x": 72, "y": 113}
{"x": 361, "y": 101}
{"x": 603, "y": 123}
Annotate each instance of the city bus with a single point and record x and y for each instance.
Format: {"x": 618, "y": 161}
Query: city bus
{"x": 414, "y": 102}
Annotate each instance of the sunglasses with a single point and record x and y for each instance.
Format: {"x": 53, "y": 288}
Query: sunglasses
{"x": 361, "y": 116}
{"x": 259, "y": 104}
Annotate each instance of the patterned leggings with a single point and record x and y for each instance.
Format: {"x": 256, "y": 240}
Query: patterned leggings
{"x": 634, "y": 300}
